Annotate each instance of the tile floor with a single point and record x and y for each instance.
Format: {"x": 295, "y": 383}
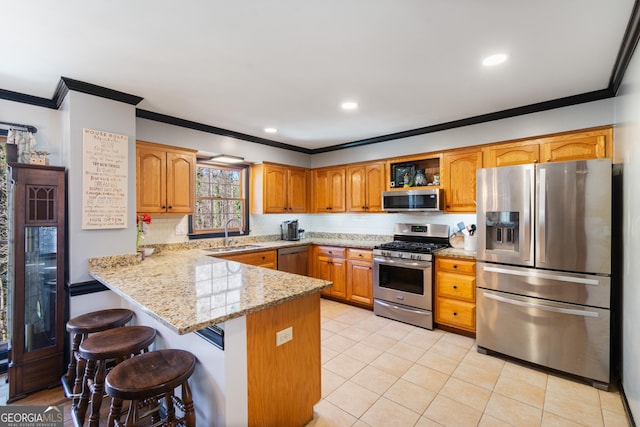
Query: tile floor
{"x": 378, "y": 372}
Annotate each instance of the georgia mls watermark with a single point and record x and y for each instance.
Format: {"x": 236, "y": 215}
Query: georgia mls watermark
{"x": 31, "y": 416}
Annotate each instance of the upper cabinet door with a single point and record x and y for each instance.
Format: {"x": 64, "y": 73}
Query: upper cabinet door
{"x": 337, "y": 183}
{"x": 595, "y": 144}
{"x": 275, "y": 189}
{"x": 376, "y": 184}
{"x": 151, "y": 179}
{"x": 329, "y": 190}
{"x": 297, "y": 190}
{"x": 511, "y": 154}
{"x": 459, "y": 180}
{"x": 356, "y": 189}
{"x": 180, "y": 182}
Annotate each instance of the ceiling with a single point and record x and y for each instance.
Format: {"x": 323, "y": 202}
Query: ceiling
{"x": 246, "y": 65}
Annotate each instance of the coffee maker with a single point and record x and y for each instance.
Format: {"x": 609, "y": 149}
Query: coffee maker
{"x": 289, "y": 230}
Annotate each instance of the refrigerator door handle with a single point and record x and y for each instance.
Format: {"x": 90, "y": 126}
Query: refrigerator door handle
{"x": 527, "y": 217}
{"x": 539, "y": 306}
{"x": 542, "y": 213}
{"x": 558, "y": 277}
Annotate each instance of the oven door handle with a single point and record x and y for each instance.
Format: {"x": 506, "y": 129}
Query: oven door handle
{"x": 403, "y": 262}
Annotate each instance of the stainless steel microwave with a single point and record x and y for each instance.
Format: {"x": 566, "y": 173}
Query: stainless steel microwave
{"x": 426, "y": 200}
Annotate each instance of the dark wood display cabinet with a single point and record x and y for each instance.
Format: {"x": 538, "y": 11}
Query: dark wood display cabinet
{"x": 36, "y": 277}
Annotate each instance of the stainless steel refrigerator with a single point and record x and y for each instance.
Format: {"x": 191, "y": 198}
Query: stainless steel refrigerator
{"x": 544, "y": 265}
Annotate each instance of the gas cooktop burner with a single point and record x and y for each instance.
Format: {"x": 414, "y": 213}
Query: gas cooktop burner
{"x": 414, "y": 247}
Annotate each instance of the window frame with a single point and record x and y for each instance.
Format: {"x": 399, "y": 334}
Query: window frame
{"x": 246, "y": 189}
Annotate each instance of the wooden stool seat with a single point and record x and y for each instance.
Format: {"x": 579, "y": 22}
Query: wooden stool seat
{"x": 149, "y": 376}
{"x": 80, "y": 327}
{"x": 113, "y": 344}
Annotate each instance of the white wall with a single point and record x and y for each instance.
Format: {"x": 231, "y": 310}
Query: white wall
{"x": 47, "y": 121}
{"x": 627, "y": 151}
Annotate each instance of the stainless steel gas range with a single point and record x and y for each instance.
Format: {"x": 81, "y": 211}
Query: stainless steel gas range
{"x": 403, "y": 273}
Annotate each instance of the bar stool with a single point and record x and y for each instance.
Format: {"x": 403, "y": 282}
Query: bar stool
{"x": 144, "y": 380}
{"x": 114, "y": 344}
{"x": 80, "y": 327}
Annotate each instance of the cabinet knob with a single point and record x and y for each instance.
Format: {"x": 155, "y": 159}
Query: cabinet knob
{"x": 455, "y": 314}
{"x": 163, "y": 207}
{"x": 455, "y": 265}
{"x": 535, "y": 160}
{"x": 455, "y": 286}
{"x": 548, "y": 160}
{"x": 170, "y": 207}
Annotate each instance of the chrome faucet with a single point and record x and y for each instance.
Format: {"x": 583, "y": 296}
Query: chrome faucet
{"x": 226, "y": 229}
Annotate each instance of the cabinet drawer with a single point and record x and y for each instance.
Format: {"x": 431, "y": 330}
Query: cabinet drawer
{"x": 331, "y": 251}
{"x": 360, "y": 254}
{"x": 254, "y": 258}
{"x": 456, "y": 285}
{"x": 456, "y": 265}
{"x": 458, "y": 314}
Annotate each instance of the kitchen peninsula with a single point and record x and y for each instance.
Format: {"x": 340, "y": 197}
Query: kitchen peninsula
{"x": 253, "y": 381}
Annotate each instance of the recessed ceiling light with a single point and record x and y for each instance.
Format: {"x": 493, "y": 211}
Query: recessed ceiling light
{"x": 496, "y": 59}
{"x": 349, "y": 105}
{"x": 271, "y": 130}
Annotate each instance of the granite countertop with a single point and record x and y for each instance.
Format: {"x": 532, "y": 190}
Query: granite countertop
{"x": 189, "y": 290}
{"x": 456, "y": 253}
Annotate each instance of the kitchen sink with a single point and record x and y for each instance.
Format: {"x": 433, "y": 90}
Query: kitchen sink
{"x": 232, "y": 248}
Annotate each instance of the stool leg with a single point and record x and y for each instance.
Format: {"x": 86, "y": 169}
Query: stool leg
{"x": 80, "y": 367}
{"x": 115, "y": 411}
{"x": 69, "y": 377}
{"x": 187, "y": 400}
{"x": 132, "y": 416}
{"x": 97, "y": 393}
{"x": 171, "y": 411}
{"x": 84, "y": 398}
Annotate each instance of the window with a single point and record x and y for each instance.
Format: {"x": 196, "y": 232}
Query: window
{"x": 221, "y": 194}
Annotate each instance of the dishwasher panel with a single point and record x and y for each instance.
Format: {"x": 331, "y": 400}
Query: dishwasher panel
{"x": 294, "y": 259}
{"x": 566, "y": 337}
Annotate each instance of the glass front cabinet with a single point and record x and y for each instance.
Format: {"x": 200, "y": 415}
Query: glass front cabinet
{"x": 36, "y": 277}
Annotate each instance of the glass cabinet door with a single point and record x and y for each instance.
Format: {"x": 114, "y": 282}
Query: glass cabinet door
{"x": 40, "y": 287}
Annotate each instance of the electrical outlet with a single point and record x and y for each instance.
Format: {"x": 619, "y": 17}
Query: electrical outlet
{"x": 284, "y": 336}
{"x": 181, "y": 230}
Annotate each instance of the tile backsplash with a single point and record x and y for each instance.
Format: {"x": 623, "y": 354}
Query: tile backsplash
{"x": 169, "y": 229}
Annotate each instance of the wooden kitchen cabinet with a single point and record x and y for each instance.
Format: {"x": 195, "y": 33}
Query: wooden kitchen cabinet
{"x": 329, "y": 190}
{"x": 509, "y": 154}
{"x": 455, "y": 293}
{"x": 365, "y": 184}
{"x": 165, "y": 179}
{"x": 266, "y": 259}
{"x": 583, "y": 145}
{"x": 459, "y": 180}
{"x": 360, "y": 277}
{"x": 279, "y": 189}
{"x": 330, "y": 264}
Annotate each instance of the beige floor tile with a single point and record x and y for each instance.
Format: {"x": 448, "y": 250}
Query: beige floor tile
{"x": 489, "y": 421}
{"x": 448, "y": 412}
{"x": 468, "y": 394}
{"x": 524, "y": 373}
{"x": 353, "y": 316}
{"x": 334, "y": 326}
{"x": 426, "y": 422}
{"x": 363, "y": 353}
{"x": 355, "y": 333}
{"x": 450, "y": 350}
{"x": 392, "y": 364}
{"x": 406, "y": 351}
{"x": 513, "y": 412}
{"x": 373, "y": 379}
{"x": 328, "y": 415}
{"x": 381, "y": 342}
{"x": 360, "y": 423}
{"x": 325, "y": 333}
{"x": 476, "y": 375}
{"x": 459, "y": 340}
{"x": 373, "y": 323}
{"x": 338, "y": 343}
{"x": 611, "y": 401}
{"x": 352, "y": 398}
{"x": 330, "y": 382}
{"x": 422, "y": 338}
{"x": 410, "y": 395}
{"x": 614, "y": 419}
{"x": 520, "y": 390}
{"x": 425, "y": 377}
{"x": 573, "y": 389}
{"x": 396, "y": 330}
{"x": 344, "y": 366}
{"x": 574, "y": 401}
{"x": 553, "y": 420}
{"x": 385, "y": 413}
{"x": 486, "y": 362}
{"x": 439, "y": 362}
{"x": 327, "y": 354}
